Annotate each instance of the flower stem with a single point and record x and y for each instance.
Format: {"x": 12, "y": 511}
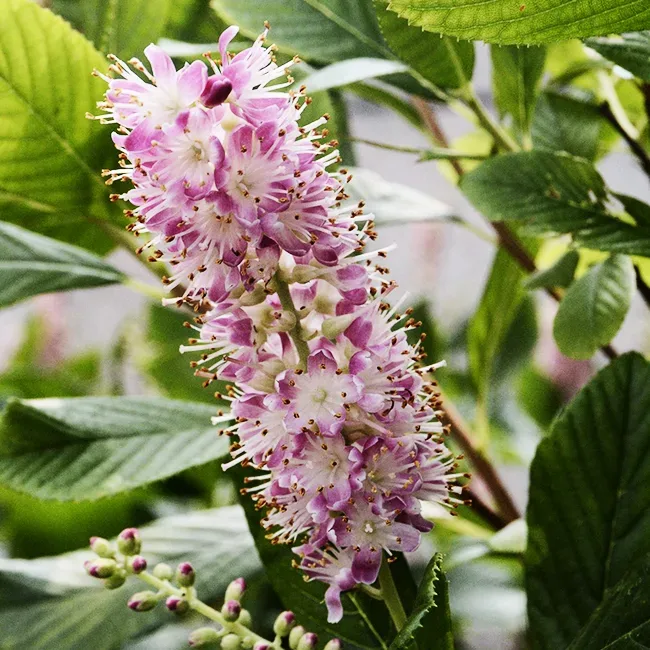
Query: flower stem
{"x": 282, "y": 289}
{"x": 390, "y": 595}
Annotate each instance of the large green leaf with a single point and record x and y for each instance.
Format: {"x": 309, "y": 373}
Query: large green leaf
{"x": 122, "y": 27}
{"x": 31, "y": 264}
{"x": 559, "y": 274}
{"x": 51, "y": 155}
{"x": 50, "y": 604}
{"x": 430, "y": 621}
{"x": 556, "y": 193}
{"x": 543, "y": 21}
{"x": 516, "y": 77}
{"x": 444, "y": 62}
{"x": 88, "y": 447}
{"x": 594, "y": 307}
{"x": 589, "y": 506}
{"x": 630, "y": 51}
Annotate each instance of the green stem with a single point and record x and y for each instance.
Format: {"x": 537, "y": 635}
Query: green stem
{"x": 390, "y": 595}
{"x": 367, "y": 621}
{"x": 199, "y": 606}
{"x": 282, "y": 289}
{"x": 439, "y": 153}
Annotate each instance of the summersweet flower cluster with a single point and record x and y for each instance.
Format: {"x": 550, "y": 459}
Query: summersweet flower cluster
{"x": 329, "y": 400}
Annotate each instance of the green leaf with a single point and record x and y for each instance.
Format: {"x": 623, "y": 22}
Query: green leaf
{"x": 518, "y": 23}
{"x": 594, "y": 307}
{"x": 630, "y": 51}
{"x": 539, "y": 397}
{"x": 444, "y": 62}
{"x": 589, "y": 506}
{"x": 430, "y": 621}
{"x": 559, "y": 275}
{"x": 31, "y": 264}
{"x": 121, "y": 27}
{"x": 350, "y": 71}
{"x": 562, "y": 123}
{"x": 50, "y": 603}
{"x": 51, "y": 155}
{"x": 89, "y": 447}
{"x": 516, "y": 78}
{"x": 553, "y": 193}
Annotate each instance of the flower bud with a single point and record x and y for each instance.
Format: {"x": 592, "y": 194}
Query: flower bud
{"x": 137, "y": 564}
{"x": 177, "y": 605}
{"x": 163, "y": 571}
{"x": 247, "y": 642}
{"x": 231, "y": 610}
{"x": 235, "y": 590}
{"x": 333, "y": 644}
{"x": 295, "y": 635}
{"x": 143, "y": 601}
{"x": 336, "y": 325}
{"x": 216, "y": 91}
{"x": 185, "y": 575}
{"x": 129, "y": 542}
{"x": 284, "y": 623}
{"x": 230, "y": 642}
{"x": 102, "y": 547}
{"x": 245, "y": 618}
{"x": 101, "y": 567}
{"x": 206, "y": 636}
{"x": 115, "y": 581}
{"x": 308, "y": 642}
{"x": 262, "y": 645}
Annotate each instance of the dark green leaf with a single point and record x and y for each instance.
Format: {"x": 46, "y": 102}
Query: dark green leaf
{"x": 31, "y": 264}
{"x": 194, "y": 21}
{"x": 539, "y": 397}
{"x": 89, "y": 447}
{"x": 594, "y": 307}
{"x": 559, "y": 275}
{"x": 50, "y": 603}
{"x": 517, "y": 23}
{"x": 556, "y": 193}
{"x": 444, "y": 62}
{"x": 516, "y": 77}
{"x": 639, "y": 210}
{"x": 589, "y": 506}
{"x": 430, "y": 621}
{"x": 630, "y": 51}
{"x": 562, "y": 123}
{"x": 51, "y": 155}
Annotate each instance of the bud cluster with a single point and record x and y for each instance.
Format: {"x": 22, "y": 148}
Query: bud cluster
{"x": 330, "y": 401}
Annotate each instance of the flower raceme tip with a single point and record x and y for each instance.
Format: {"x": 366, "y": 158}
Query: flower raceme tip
{"x": 330, "y": 403}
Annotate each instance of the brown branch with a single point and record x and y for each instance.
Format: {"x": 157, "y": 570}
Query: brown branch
{"x": 484, "y": 511}
{"x": 636, "y": 148}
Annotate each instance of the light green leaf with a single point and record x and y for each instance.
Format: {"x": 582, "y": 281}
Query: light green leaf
{"x": 50, "y": 603}
{"x": 350, "y": 71}
{"x": 589, "y": 506}
{"x": 594, "y": 307}
{"x": 519, "y": 23}
{"x": 553, "y": 193}
{"x": 430, "y": 621}
{"x": 516, "y": 78}
{"x": 51, "y": 155}
{"x": 89, "y": 447}
{"x": 630, "y": 51}
{"x": 31, "y": 264}
{"x": 559, "y": 275}
{"x": 121, "y": 27}
{"x": 562, "y": 123}
{"x": 442, "y": 61}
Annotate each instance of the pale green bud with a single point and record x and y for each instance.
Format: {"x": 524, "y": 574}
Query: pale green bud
{"x": 143, "y": 601}
{"x": 129, "y": 542}
{"x": 295, "y": 635}
{"x": 284, "y": 623}
{"x": 102, "y": 547}
{"x": 231, "y": 642}
{"x": 205, "y": 636}
{"x": 163, "y": 571}
{"x": 115, "y": 581}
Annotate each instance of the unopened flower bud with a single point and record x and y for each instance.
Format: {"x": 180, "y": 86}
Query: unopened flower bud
{"x": 115, "y": 581}
{"x": 137, "y": 564}
{"x": 206, "y": 636}
{"x": 284, "y": 623}
{"x": 185, "y": 575}
{"x": 163, "y": 571}
{"x": 143, "y": 601}
{"x": 308, "y": 641}
{"x": 295, "y": 635}
{"x": 102, "y": 547}
{"x": 336, "y": 325}
{"x": 333, "y": 644}
{"x": 216, "y": 91}
{"x": 235, "y": 590}
{"x": 101, "y": 567}
{"x": 262, "y": 645}
{"x": 177, "y": 605}
{"x": 245, "y": 618}
{"x": 129, "y": 542}
{"x": 247, "y": 642}
{"x": 231, "y": 610}
{"x": 230, "y": 642}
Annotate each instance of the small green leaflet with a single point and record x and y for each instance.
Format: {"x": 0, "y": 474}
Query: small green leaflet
{"x": 630, "y": 51}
